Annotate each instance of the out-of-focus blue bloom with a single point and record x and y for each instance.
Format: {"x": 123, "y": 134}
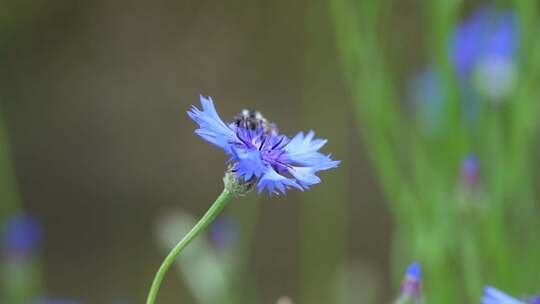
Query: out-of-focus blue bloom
{"x": 494, "y": 296}
{"x": 428, "y": 93}
{"x": 470, "y": 171}
{"x": 223, "y": 232}
{"x": 483, "y": 51}
{"x": 486, "y": 33}
{"x": 411, "y": 282}
{"x": 22, "y": 236}
{"x": 411, "y": 286}
{"x": 535, "y": 300}
{"x": 275, "y": 162}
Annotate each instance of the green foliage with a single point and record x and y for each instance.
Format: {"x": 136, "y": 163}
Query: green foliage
{"x": 463, "y": 238}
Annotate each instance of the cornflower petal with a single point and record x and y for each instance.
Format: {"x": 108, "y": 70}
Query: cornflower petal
{"x": 248, "y": 163}
{"x": 305, "y": 176}
{"x": 271, "y": 180}
{"x": 211, "y": 127}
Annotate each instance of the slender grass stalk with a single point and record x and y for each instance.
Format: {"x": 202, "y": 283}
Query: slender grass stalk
{"x": 28, "y": 282}
{"x": 322, "y": 222}
{"x": 207, "y": 218}
{"x": 9, "y": 192}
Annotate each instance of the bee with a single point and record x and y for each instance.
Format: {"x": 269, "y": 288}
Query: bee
{"x": 253, "y": 120}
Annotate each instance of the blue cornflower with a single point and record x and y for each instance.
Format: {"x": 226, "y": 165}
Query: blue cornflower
{"x": 22, "y": 236}
{"x": 411, "y": 282}
{"x": 470, "y": 170}
{"x": 494, "y": 296}
{"x": 411, "y": 286}
{"x": 486, "y": 33}
{"x": 258, "y": 154}
{"x": 484, "y": 50}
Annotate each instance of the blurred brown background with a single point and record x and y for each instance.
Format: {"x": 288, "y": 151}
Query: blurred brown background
{"x": 95, "y": 93}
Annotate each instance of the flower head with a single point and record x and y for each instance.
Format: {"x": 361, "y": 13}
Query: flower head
{"x": 470, "y": 171}
{"x": 486, "y": 33}
{"x": 259, "y": 154}
{"x": 411, "y": 281}
{"x": 411, "y": 286}
{"x": 483, "y": 50}
{"x": 22, "y": 236}
{"x": 494, "y": 296}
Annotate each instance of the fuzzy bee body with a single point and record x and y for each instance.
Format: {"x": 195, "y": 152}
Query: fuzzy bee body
{"x": 253, "y": 120}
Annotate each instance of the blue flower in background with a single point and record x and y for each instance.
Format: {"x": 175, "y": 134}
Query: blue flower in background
{"x": 223, "y": 232}
{"x": 428, "y": 92}
{"x": 22, "y": 236}
{"x": 411, "y": 283}
{"x": 259, "y": 155}
{"x": 470, "y": 170}
{"x": 494, "y": 296}
{"x": 484, "y": 50}
{"x": 533, "y": 300}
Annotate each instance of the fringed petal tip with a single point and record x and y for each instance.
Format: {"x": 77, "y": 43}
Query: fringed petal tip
{"x": 274, "y": 182}
{"x": 211, "y": 126}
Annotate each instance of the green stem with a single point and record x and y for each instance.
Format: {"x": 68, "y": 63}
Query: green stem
{"x": 208, "y": 217}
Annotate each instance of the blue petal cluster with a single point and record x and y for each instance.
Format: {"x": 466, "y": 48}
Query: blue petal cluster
{"x": 22, "y": 236}
{"x": 276, "y": 162}
{"x": 494, "y": 296}
{"x": 412, "y": 280}
{"x": 487, "y": 33}
{"x": 414, "y": 271}
{"x": 470, "y": 170}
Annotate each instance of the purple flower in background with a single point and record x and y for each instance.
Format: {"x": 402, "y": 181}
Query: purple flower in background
{"x": 258, "y": 154}
{"x": 223, "y": 232}
{"x": 494, "y": 296}
{"x": 533, "y": 300}
{"x": 22, "y": 236}
{"x": 411, "y": 282}
{"x": 484, "y": 50}
{"x": 470, "y": 171}
{"x": 487, "y": 33}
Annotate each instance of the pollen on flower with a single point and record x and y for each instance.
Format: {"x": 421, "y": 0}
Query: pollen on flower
{"x": 259, "y": 155}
